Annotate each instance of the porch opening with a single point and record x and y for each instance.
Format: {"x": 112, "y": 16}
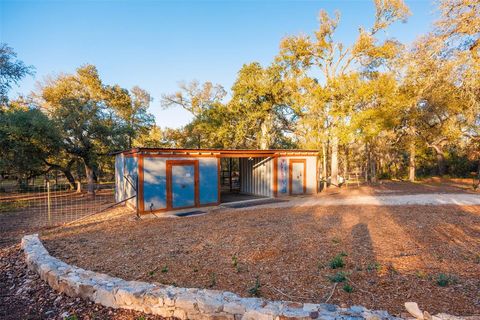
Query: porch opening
{"x": 245, "y": 178}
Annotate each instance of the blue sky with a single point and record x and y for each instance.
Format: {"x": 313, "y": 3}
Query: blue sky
{"x": 156, "y": 44}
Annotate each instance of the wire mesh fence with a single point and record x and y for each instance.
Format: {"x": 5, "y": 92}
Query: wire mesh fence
{"x": 44, "y": 202}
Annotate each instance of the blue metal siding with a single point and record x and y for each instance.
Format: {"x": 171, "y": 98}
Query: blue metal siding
{"x": 154, "y": 184}
{"x": 126, "y": 173}
{"x": 208, "y": 183}
{"x": 130, "y": 178}
{"x": 119, "y": 183}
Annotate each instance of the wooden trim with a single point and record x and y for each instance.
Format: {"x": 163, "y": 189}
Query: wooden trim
{"x": 141, "y": 202}
{"x": 246, "y": 155}
{"x": 211, "y": 204}
{"x": 130, "y": 155}
{"x": 219, "y": 150}
{"x": 275, "y": 176}
{"x": 219, "y": 183}
{"x": 290, "y": 167}
{"x": 149, "y": 155}
{"x": 169, "y": 164}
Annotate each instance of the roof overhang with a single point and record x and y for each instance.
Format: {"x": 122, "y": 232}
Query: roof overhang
{"x": 221, "y": 153}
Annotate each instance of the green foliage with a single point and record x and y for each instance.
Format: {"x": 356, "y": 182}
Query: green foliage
{"x": 12, "y": 71}
{"x": 337, "y": 262}
{"x": 395, "y": 111}
{"x": 338, "y": 277}
{"x": 235, "y": 263}
{"x": 255, "y": 290}
{"x": 164, "y": 269}
{"x": 213, "y": 280}
{"x": 27, "y": 139}
{"x": 336, "y": 240}
{"x": 347, "y": 288}
{"x": 444, "y": 280}
{"x": 374, "y": 266}
{"x": 12, "y": 205}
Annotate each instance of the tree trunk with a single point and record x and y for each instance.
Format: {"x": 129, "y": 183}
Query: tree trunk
{"x": 440, "y": 160}
{"x": 324, "y": 165}
{"x": 346, "y": 165}
{"x": 90, "y": 178}
{"x": 334, "y": 163}
{"x": 266, "y": 133}
{"x": 478, "y": 170}
{"x": 70, "y": 178}
{"x": 369, "y": 164}
{"x": 373, "y": 174}
{"x": 411, "y": 163}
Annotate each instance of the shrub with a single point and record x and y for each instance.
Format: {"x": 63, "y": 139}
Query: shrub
{"x": 165, "y": 269}
{"x": 347, "y": 288}
{"x": 337, "y": 262}
{"x": 336, "y": 240}
{"x": 255, "y": 290}
{"x": 213, "y": 280}
{"x": 374, "y": 266}
{"x": 235, "y": 263}
{"x": 338, "y": 277}
{"x": 444, "y": 280}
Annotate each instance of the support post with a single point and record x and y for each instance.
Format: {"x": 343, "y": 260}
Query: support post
{"x": 49, "y": 203}
{"x": 230, "y": 174}
{"x": 137, "y": 202}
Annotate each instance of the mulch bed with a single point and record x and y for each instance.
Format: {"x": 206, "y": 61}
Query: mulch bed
{"x": 24, "y": 296}
{"x": 391, "y": 254}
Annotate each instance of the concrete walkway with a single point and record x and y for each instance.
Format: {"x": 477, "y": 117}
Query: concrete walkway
{"x": 384, "y": 200}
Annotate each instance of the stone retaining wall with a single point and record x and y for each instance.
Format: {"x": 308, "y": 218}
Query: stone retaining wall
{"x": 169, "y": 301}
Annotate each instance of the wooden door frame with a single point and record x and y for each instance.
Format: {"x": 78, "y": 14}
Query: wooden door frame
{"x": 290, "y": 168}
{"x": 169, "y": 165}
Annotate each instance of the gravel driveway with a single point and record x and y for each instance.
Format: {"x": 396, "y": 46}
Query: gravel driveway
{"x": 380, "y": 200}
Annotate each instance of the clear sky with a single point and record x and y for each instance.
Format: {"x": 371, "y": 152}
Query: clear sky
{"x": 156, "y": 44}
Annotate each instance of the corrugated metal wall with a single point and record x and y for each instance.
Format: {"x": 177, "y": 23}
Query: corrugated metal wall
{"x": 256, "y": 176}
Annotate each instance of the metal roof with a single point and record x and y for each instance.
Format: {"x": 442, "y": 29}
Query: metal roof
{"x": 265, "y": 152}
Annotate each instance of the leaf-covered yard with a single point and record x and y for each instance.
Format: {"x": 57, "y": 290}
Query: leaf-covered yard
{"x": 375, "y": 256}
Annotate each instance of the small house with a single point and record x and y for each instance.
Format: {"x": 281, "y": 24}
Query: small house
{"x": 170, "y": 179}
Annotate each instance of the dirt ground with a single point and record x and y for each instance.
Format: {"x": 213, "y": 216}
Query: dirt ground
{"x": 393, "y": 254}
{"x": 427, "y": 254}
{"x": 23, "y": 295}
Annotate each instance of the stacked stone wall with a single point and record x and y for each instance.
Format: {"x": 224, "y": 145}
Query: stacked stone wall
{"x": 170, "y": 301}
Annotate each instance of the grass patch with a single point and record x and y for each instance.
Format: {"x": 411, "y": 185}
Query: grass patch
{"x": 337, "y": 262}
{"x": 338, "y": 277}
{"x": 13, "y": 205}
{"x": 347, "y": 288}
{"x": 255, "y": 290}
{"x": 235, "y": 263}
{"x": 374, "y": 266}
{"x": 336, "y": 240}
{"x": 444, "y": 280}
{"x": 213, "y": 280}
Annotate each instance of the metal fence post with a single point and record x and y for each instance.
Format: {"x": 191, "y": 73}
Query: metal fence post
{"x": 49, "y": 204}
